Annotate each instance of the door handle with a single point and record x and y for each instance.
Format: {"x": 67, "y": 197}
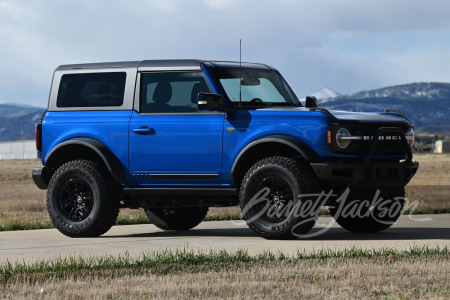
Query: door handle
{"x": 144, "y": 130}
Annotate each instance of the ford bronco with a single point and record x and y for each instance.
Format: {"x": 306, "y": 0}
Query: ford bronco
{"x": 176, "y": 137}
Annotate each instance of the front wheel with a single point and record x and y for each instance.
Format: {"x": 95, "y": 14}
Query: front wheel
{"x": 278, "y": 198}
{"x": 369, "y": 211}
{"x": 82, "y": 199}
{"x": 176, "y": 218}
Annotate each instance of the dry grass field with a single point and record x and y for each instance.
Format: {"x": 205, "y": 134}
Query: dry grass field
{"x": 377, "y": 277}
{"x": 431, "y": 185}
{"x": 21, "y": 200}
{"x": 423, "y": 277}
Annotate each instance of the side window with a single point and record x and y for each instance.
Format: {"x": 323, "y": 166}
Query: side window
{"x": 91, "y": 90}
{"x": 174, "y": 92}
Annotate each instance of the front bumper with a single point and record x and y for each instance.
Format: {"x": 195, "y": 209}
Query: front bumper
{"x": 369, "y": 173}
{"x": 382, "y": 174}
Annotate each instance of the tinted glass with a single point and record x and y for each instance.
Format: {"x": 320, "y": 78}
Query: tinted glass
{"x": 259, "y": 87}
{"x": 264, "y": 90}
{"x": 171, "y": 92}
{"x": 91, "y": 90}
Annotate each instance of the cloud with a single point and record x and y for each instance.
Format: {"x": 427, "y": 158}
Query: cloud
{"x": 346, "y": 45}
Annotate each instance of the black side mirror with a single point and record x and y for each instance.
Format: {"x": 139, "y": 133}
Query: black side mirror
{"x": 311, "y": 101}
{"x": 210, "y": 101}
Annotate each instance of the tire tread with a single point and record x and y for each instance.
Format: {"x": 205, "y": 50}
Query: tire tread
{"x": 304, "y": 175}
{"x": 109, "y": 204}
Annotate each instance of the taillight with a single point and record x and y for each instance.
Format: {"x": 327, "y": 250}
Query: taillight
{"x": 39, "y": 137}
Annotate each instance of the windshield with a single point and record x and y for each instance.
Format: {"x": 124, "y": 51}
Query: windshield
{"x": 257, "y": 87}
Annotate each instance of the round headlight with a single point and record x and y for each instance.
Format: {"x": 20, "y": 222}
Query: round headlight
{"x": 410, "y": 137}
{"x": 342, "y": 138}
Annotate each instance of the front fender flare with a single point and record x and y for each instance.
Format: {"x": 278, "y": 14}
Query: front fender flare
{"x": 298, "y": 145}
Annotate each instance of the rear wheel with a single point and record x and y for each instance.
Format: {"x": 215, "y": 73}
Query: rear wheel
{"x": 82, "y": 199}
{"x": 176, "y": 218}
{"x": 271, "y": 198}
{"x": 366, "y": 212}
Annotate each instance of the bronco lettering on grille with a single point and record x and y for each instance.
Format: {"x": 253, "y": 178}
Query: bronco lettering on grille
{"x": 382, "y": 138}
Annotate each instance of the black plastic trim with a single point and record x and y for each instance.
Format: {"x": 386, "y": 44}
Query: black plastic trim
{"x": 41, "y": 177}
{"x": 110, "y": 160}
{"x": 301, "y": 147}
{"x": 373, "y": 174}
{"x": 325, "y": 111}
{"x": 174, "y": 191}
{"x": 184, "y": 176}
{"x": 298, "y": 145}
{"x": 375, "y": 141}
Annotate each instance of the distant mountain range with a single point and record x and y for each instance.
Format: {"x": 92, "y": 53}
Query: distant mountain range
{"x": 17, "y": 122}
{"x": 427, "y": 105}
{"x": 325, "y": 94}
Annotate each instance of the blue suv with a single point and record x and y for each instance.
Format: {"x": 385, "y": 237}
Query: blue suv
{"x": 176, "y": 137}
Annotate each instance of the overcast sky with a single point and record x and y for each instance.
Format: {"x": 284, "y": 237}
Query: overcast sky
{"x": 345, "y": 45}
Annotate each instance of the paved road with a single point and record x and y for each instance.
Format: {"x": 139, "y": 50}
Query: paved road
{"x": 230, "y": 235}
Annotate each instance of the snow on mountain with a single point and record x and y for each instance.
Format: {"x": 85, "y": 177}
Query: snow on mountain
{"x": 17, "y": 121}
{"x": 430, "y": 91}
{"x": 325, "y": 94}
{"x": 426, "y": 104}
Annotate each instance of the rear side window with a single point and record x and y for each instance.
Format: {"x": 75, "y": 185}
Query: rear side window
{"x": 91, "y": 90}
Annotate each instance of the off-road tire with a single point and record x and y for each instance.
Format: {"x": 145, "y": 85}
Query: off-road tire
{"x": 381, "y": 216}
{"x": 176, "y": 218}
{"x": 286, "y": 179}
{"x": 82, "y": 199}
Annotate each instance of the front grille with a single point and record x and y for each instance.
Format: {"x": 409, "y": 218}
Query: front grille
{"x": 384, "y": 145}
{"x": 385, "y": 148}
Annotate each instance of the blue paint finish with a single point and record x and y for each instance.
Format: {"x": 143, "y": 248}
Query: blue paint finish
{"x": 181, "y": 143}
{"x": 110, "y": 128}
{"x": 308, "y": 127}
{"x": 196, "y": 144}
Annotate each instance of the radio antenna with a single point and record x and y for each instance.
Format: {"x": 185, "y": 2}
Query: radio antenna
{"x": 240, "y": 72}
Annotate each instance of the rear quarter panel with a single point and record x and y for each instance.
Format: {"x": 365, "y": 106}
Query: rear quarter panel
{"x": 108, "y": 127}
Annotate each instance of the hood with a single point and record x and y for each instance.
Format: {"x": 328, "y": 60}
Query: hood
{"x": 347, "y": 117}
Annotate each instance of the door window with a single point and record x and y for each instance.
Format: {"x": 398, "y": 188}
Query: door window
{"x": 174, "y": 92}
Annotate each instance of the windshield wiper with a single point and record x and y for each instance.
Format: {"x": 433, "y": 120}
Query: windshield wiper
{"x": 281, "y": 104}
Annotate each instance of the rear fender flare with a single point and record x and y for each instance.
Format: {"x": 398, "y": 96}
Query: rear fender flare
{"x": 111, "y": 162}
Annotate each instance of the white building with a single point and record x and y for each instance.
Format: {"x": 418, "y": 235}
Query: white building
{"x": 18, "y": 150}
{"x": 442, "y": 147}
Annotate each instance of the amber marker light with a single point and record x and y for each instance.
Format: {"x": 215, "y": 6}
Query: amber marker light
{"x": 329, "y": 136}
